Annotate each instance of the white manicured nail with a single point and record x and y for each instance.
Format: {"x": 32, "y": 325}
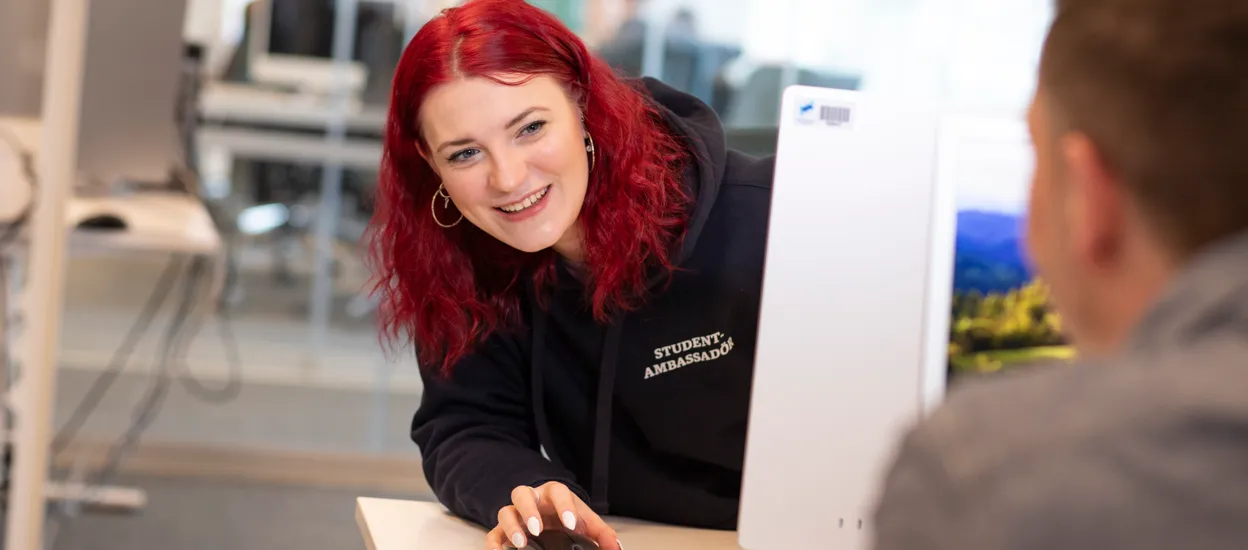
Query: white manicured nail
{"x": 518, "y": 540}
{"x": 535, "y": 527}
{"x": 569, "y": 520}
{"x": 620, "y": 544}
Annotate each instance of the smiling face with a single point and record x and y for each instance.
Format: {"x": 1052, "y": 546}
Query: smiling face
{"x": 512, "y": 158}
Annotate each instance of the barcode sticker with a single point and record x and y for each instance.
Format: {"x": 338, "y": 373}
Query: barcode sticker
{"x": 835, "y": 115}
{"x": 827, "y": 114}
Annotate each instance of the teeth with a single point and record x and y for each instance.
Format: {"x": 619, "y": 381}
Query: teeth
{"x": 527, "y": 202}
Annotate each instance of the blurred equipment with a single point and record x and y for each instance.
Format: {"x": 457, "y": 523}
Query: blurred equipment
{"x": 106, "y": 160}
{"x": 308, "y": 189}
{"x": 688, "y": 62}
{"x": 128, "y": 130}
{"x": 289, "y": 43}
{"x": 103, "y": 222}
{"x": 756, "y": 103}
{"x": 17, "y": 177}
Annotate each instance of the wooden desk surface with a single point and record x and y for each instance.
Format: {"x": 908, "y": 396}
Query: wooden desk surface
{"x": 411, "y": 525}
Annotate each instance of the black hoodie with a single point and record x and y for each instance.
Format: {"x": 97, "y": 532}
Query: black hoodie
{"x": 644, "y": 418}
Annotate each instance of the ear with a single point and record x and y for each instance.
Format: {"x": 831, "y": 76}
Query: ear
{"x": 1095, "y": 201}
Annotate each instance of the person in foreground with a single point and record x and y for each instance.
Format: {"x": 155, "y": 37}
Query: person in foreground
{"x": 578, "y": 262}
{"x": 1139, "y": 222}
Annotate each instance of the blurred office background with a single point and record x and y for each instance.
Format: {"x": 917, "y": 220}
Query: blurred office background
{"x": 322, "y": 413}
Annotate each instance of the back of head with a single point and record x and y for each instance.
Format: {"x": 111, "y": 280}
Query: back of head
{"x": 446, "y": 288}
{"x": 1161, "y": 88}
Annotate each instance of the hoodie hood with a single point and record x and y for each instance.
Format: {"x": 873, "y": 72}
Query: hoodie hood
{"x": 701, "y": 129}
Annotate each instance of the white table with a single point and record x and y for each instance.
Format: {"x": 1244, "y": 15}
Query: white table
{"x": 411, "y": 525}
{"x": 155, "y": 222}
{"x": 232, "y": 102}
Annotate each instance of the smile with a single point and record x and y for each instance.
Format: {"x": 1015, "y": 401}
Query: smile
{"x": 525, "y": 203}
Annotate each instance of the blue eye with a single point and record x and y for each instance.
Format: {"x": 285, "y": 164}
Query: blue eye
{"x": 533, "y": 127}
{"x": 461, "y": 156}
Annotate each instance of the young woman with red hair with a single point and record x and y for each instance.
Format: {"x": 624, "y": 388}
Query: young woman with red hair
{"x": 577, "y": 260}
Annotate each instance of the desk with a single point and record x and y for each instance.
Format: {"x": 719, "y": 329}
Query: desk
{"x": 274, "y": 126}
{"x": 156, "y": 222}
{"x": 250, "y": 104}
{"x": 411, "y": 525}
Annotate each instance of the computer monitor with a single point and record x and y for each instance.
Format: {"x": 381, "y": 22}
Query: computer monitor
{"x": 998, "y": 315}
{"x": 291, "y": 44}
{"x": 884, "y": 217}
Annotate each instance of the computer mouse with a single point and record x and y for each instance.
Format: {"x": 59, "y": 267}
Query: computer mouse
{"x": 103, "y": 221}
{"x": 557, "y": 539}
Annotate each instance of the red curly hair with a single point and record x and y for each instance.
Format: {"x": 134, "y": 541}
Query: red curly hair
{"x": 446, "y": 290}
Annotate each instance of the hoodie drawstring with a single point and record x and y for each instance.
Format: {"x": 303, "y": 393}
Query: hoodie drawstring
{"x": 599, "y": 466}
{"x": 602, "y": 418}
{"x": 539, "y": 388}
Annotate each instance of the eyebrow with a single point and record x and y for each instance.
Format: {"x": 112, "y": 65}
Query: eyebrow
{"x": 514, "y": 121}
{"x": 524, "y": 114}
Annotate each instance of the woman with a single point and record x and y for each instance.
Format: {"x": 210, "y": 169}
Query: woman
{"x": 578, "y": 262}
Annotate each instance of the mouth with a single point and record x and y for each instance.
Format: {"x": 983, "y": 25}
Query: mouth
{"x": 525, "y": 203}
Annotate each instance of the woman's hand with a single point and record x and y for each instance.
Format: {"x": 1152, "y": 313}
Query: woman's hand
{"x": 550, "y": 506}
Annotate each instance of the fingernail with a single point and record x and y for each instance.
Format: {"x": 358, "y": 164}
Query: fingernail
{"x": 620, "y": 544}
{"x": 535, "y": 527}
{"x": 518, "y": 540}
{"x": 569, "y": 520}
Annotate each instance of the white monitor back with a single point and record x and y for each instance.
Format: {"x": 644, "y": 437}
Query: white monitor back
{"x": 839, "y": 372}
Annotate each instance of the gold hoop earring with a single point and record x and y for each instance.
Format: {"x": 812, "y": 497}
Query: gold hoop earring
{"x": 589, "y": 148}
{"x": 446, "y": 204}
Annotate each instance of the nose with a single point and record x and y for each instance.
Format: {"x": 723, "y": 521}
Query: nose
{"x": 508, "y": 172}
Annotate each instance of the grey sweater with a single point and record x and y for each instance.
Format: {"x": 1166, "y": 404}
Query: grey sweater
{"x": 1148, "y": 451}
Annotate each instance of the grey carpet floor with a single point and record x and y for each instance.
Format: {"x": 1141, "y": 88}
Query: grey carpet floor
{"x": 187, "y": 514}
{"x": 263, "y": 417}
{"x": 278, "y": 408}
